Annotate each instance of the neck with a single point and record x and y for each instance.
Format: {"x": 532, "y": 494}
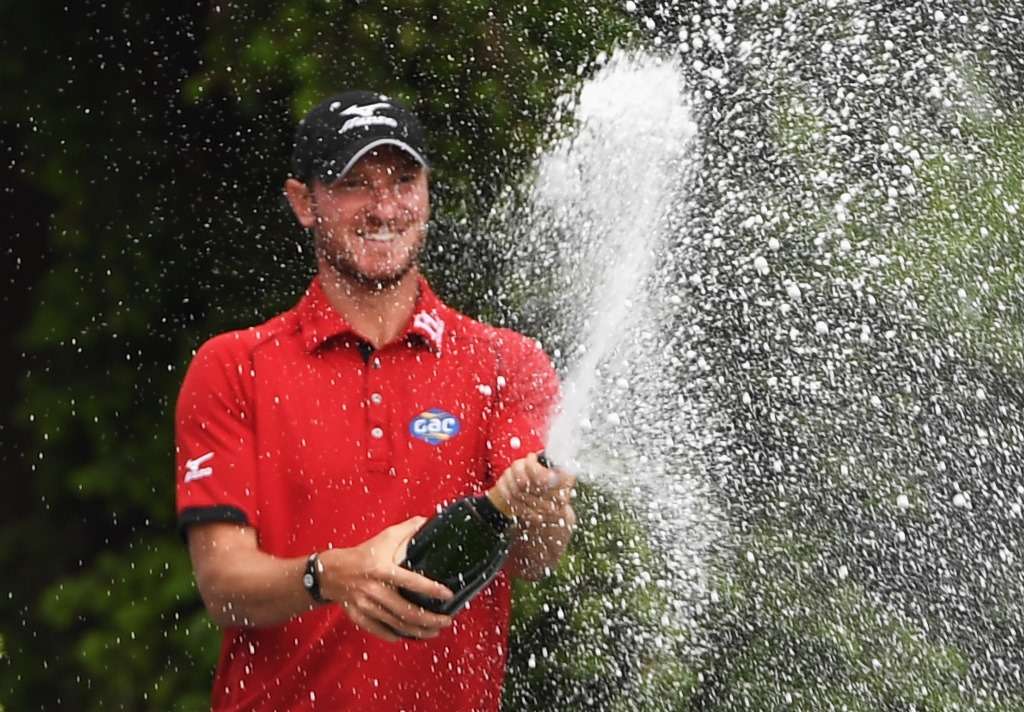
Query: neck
{"x": 378, "y": 315}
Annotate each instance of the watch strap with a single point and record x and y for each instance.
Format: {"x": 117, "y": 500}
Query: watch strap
{"x": 311, "y": 577}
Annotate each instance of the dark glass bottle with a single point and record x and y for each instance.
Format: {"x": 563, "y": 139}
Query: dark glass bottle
{"x": 464, "y": 547}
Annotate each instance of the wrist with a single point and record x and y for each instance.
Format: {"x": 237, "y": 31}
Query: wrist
{"x": 312, "y": 578}
{"x": 336, "y": 570}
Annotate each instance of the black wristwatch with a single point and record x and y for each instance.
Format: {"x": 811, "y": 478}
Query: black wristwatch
{"x": 311, "y": 578}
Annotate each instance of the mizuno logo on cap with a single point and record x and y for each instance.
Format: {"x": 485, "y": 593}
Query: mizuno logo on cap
{"x": 366, "y": 116}
{"x": 434, "y": 426}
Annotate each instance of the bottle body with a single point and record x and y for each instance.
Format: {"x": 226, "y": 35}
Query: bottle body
{"x": 463, "y": 547}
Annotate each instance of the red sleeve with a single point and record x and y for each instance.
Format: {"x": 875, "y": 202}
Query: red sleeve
{"x": 215, "y": 445}
{"x": 527, "y": 394}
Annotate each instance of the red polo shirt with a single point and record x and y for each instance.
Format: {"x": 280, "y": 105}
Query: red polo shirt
{"x": 299, "y": 429}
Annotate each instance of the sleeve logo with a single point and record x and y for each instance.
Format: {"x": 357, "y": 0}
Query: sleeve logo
{"x": 434, "y": 426}
{"x": 194, "y": 469}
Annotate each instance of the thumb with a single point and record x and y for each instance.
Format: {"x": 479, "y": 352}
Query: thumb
{"x": 408, "y": 527}
{"x": 416, "y": 522}
{"x": 402, "y": 532}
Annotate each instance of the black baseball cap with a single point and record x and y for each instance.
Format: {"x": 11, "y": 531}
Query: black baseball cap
{"x": 340, "y": 130}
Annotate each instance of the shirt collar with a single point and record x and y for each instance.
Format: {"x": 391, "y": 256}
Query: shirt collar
{"x": 320, "y": 322}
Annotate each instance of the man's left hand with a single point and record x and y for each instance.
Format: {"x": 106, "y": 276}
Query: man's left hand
{"x": 541, "y": 500}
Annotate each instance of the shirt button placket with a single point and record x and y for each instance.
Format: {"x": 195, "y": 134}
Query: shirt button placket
{"x": 376, "y": 418}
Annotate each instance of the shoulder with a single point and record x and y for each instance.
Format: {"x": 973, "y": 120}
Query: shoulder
{"x": 239, "y": 345}
{"x": 229, "y": 356}
{"x": 512, "y": 344}
{"x": 501, "y": 341}
{"x": 516, "y": 357}
{"x": 507, "y": 348}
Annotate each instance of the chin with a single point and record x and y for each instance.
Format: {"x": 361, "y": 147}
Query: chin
{"x": 377, "y": 275}
{"x": 379, "y": 280}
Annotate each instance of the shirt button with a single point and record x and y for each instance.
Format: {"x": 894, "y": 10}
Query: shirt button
{"x": 377, "y": 433}
{"x": 376, "y": 398}
{"x": 375, "y": 363}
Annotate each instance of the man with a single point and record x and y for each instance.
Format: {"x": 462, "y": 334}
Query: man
{"x": 306, "y": 459}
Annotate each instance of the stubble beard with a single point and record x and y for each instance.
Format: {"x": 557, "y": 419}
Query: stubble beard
{"x": 343, "y": 263}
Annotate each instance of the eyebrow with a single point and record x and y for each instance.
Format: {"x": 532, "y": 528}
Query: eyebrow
{"x": 412, "y": 166}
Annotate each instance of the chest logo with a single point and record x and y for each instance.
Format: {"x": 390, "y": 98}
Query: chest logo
{"x": 434, "y": 426}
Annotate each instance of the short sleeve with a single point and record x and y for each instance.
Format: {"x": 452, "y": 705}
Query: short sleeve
{"x": 215, "y": 448}
{"x": 527, "y": 395}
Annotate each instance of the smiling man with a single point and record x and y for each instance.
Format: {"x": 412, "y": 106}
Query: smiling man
{"x": 311, "y": 447}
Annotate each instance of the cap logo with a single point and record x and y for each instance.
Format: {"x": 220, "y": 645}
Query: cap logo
{"x": 434, "y": 426}
{"x": 365, "y": 116}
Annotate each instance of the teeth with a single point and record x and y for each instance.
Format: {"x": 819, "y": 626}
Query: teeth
{"x": 382, "y": 236}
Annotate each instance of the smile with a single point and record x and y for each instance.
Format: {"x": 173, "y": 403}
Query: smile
{"x": 381, "y": 236}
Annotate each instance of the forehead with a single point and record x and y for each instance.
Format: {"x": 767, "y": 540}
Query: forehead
{"x": 385, "y": 158}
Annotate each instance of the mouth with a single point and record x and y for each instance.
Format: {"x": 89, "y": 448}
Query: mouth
{"x": 380, "y": 236}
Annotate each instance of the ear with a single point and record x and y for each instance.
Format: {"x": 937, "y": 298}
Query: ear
{"x": 301, "y": 200}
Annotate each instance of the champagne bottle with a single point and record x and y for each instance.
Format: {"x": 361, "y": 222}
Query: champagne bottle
{"x": 463, "y": 547}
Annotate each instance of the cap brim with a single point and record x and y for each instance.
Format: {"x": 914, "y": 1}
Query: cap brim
{"x": 371, "y": 145}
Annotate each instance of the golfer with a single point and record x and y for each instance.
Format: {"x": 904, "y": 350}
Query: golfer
{"x": 311, "y": 447}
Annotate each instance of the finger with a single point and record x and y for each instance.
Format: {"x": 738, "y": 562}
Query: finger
{"x": 371, "y": 626}
{"x": 542, "y": 479}
{"x": 520, "y": 479}
{"x": 570, "y": 518}
{"x": 548, "y": 502}
{"x": 409, "y": 613}
{"x": 382, "y": 614}
{"x": 562, "y": 518}
{"x": 544, "y": 513}
{"x": 506, "y": 492}
{"x": 404, "y": 530}
{"x": 404, "y": 533}
{"x": 567, "y": 480}
{"x": 399, "y": 577}
{"x": 528, "y": 506}
{"x": 536, "y": 521}
{"x": 563, "y": 497}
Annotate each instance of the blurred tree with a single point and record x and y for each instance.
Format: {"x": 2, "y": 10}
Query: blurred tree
{"x": 148, "y": 146}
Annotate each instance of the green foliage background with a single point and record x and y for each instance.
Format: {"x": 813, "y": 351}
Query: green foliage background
{"x": 144, "y": 149}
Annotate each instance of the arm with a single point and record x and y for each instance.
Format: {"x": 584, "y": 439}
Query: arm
{"x": 242, "y": 586}
{"x": 540, "y": 499}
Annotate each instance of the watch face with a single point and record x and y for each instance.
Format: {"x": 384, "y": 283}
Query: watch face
{"x": 307, "y": 580}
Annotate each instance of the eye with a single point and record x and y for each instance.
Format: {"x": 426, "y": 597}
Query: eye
{"x": 352, "y": 184}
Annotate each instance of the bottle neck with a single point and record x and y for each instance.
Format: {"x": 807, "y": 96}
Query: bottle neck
{"x": 489, "y": 507}
{"x": 498, "y": 501}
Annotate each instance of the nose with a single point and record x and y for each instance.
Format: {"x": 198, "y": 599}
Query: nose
{"x": 385, "y": 206}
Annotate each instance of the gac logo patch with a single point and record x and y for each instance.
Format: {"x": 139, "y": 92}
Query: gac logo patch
{"x": 434, "y": 426}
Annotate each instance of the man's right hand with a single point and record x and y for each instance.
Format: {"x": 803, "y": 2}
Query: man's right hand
{"x": 364, "y": 581}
